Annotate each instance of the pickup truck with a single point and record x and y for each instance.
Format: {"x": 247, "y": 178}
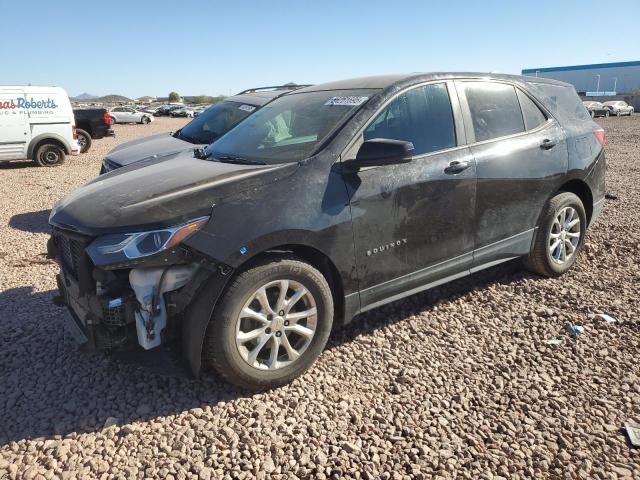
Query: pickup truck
{"x": 92, "y": 123}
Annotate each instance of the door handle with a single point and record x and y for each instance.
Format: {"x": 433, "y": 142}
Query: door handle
{"x": 457, "y": 166}
{"x": 547, "y": 144}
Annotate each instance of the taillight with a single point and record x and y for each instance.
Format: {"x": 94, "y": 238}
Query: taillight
{"x": 599, "y": 133}
{"x": 75, "y": 133}
{"x": 107, "y": 118}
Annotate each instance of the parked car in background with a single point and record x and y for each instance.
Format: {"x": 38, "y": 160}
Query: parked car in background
{"x": 214, "y": 122}
{"x": 165, "y": 110}
{"x": 329, "y": 201}
{"x": 129, "y": 115}
{"x": 198, "y": 110}
{"x": 151, "y": 110}
{"x": 187, "y": 112}
{"x": 596, "y": 109}
{"x": 36, "y": 123}
{"x": 92, "y": 123}
{"x": 619, "y": 107}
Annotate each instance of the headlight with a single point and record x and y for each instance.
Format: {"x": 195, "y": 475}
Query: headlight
{"x": 121, "y": 247}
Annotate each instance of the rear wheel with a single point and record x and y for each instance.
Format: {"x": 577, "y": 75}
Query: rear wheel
{"x": 271, "y": 325}
{"x": 145, "y": 120}
{"x": 49, "y": 155}
{"x": 560, "y": 236}
{"x": 606, "y": 114}
{"x": 631, "y": 112}
{"x": 84, "y": 140}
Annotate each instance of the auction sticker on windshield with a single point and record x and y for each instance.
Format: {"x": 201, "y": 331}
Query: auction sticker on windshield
{"x": 351, "y": 101}
{"x": 247, "y": 108}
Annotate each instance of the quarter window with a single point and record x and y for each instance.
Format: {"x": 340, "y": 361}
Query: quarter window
{"x": 533, "y": 116}
{"x": 422, "y": 116}
{"x": 495, "y": 111}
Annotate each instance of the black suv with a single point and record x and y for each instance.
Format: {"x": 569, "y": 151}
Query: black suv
{"x": 328, "y": 201}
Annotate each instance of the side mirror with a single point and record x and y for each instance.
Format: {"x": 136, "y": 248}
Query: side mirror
{"x": 382, "y": 151}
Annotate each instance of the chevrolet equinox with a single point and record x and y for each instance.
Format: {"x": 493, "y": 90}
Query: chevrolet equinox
{"x": 329, "y": 201}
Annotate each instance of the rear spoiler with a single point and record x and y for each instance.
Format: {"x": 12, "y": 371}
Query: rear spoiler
{"x": 276, "y": 87}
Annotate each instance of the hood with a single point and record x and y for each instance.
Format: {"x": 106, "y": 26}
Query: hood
{"x": 158, "y": 194}
{"x": 154, "y": 146}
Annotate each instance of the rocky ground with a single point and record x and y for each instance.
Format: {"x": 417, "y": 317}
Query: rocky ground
{"x": 453, "y": 383}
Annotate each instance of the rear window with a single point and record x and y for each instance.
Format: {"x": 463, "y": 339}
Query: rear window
{"x": 495, "y": 110}
{"x": 563, "y": 102}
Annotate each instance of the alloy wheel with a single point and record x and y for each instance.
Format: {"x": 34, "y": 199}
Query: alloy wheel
{"x": 276, "y": 325}
{"x": 564, "y": 237}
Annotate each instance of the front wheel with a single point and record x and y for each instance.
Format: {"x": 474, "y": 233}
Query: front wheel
{"x": 559, "y": 237}
{"x": 112, "y": 121}
{"x": 145, "y": 120}
{"x": 272, "y": 323}
{"x": 606, "y": 114}
{"x": 84, "y": 140}
{"x": 593, "y": 114}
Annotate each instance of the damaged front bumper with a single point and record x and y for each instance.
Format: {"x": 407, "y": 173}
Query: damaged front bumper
{"x": 115, "y": 309}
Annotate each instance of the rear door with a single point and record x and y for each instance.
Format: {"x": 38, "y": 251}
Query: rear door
{"x": 14, "y": 125}
{"x": 413, "y": 222}
{"x": 521, "y": 155}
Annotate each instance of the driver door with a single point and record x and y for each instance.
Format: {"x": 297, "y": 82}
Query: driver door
{"x": 413, "y": 222}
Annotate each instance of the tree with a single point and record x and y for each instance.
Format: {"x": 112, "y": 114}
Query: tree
{"x": 203, "y": 99}
{"x": 174, "y": 97}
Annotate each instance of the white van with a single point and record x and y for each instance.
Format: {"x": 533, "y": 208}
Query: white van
{"x": 36, "y": 123}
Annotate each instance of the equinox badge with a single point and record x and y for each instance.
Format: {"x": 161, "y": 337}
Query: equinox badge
{"x": 388, "y": 246}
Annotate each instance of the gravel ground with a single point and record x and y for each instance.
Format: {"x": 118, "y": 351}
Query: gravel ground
{"x": 452, "y": 383}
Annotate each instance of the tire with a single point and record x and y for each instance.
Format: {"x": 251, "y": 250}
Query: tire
{"x": 631, "y": 112}
{"x": 227, "y": 354}
{"x": 593, "y": 114}
{"x": 541, "y": 260}
{"x": 49, "y": 155}
{"x": 618, "y": 113}
{"x": 113, "y": 121}
{"x": 606, "y": 114}
{"x": 84, "y": 140}
{"x": 145, "y": 120}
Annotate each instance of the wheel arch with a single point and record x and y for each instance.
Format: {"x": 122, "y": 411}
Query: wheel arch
{"x": 198, "y": 315}
{"x": 583, "y": 191}
{"x": 43, "y": 139}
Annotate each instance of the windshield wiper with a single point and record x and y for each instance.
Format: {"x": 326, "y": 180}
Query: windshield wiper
{"x": 237, "y": 160}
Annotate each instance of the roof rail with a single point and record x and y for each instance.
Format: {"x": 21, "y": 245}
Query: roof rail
{"x": 289, "y": 86}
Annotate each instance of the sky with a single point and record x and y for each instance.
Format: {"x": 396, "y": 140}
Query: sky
{"x": 143, "y": 47}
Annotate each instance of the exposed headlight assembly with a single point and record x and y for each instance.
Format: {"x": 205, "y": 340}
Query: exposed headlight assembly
{"x": 122, "y": 247}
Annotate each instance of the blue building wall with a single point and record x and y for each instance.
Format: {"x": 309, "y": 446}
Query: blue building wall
{"x": 585, "y": 77}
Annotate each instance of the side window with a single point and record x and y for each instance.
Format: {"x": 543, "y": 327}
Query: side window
{"x": 495, "y": 110}
{"x": 533, "y": 116}
{"x": 422, "y": 116}
{"x": 118, "y": 109}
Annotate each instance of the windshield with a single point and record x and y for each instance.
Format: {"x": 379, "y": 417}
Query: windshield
{"x": 215, "y": 121}
{"x": 291, "y": 127}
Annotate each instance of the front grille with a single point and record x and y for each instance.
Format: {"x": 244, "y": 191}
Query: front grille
{"x": 74, "y": 261}
{"x": 71, "y": 253}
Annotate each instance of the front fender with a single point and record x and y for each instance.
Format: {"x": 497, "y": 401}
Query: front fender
{"x": 198, "y": 313}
